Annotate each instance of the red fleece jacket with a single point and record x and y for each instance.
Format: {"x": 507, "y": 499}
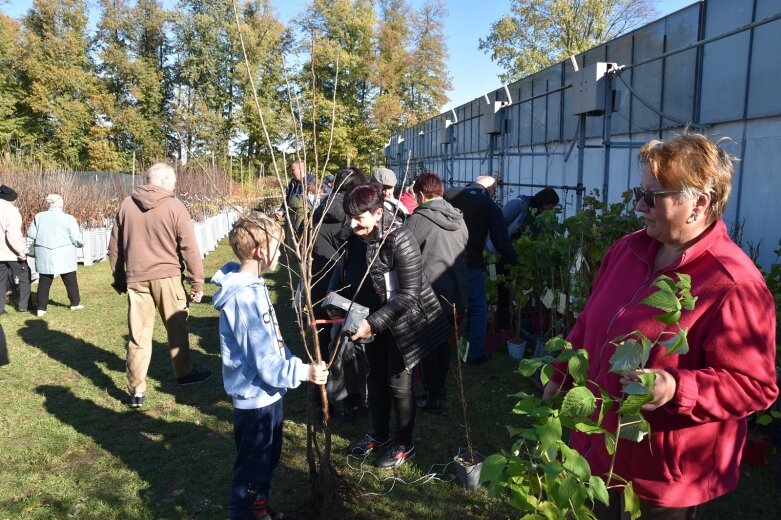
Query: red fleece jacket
{"x": 693, "y": 453}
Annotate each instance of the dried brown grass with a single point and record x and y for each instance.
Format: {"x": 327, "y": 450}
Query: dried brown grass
{"x": 94, "y": 201}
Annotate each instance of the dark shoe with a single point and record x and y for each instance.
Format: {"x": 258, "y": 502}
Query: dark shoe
{"x": 198, "y": 375}
{"x": 478, "y": 360}
{"x": 396, "y": 455}
{"x": 432, "y": 405}
{"x": 368, "y": 444}
{"x": 351, "y": 413}
{"x": 137, "y": 401}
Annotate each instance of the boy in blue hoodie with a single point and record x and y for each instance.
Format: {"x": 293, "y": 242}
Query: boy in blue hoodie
{"x": 257, "y": 367}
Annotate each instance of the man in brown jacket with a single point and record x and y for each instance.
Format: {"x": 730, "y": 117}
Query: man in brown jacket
{"x": 152, "y": 235}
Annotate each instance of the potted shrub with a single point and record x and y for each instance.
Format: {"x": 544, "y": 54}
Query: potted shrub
{"x": 469, "y": 462}
{"x": 519, "y": 284}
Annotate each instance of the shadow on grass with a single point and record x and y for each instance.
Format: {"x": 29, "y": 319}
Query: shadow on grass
{"x": 180, "y": 461}
{"x": 92, "y": 362}
{"x": 207, "y": 329}
{"x": 81, "y": 356}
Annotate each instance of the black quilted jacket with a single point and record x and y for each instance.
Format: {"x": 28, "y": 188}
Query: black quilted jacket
{"x": 413, "y": 314}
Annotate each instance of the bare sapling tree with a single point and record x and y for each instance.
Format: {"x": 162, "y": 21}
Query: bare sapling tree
{"x": 299, "y": 248}
{"x": 299, "y": 265}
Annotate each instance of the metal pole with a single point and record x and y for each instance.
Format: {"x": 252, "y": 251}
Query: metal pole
{"x": 607, "y": 130}
{"x": 581, "y": 159}
{"x": 133, "y": 174}
{"x": 739, "y": 194}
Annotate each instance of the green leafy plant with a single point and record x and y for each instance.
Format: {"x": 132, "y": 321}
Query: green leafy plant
{"x": 541, "y": 475}
{"x": 773, "y": 281}
{"x": 558, "y": 261}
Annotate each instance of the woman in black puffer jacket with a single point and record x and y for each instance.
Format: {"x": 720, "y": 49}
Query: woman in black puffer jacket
{"x": 407, "y": 325}
{"x": 328, "y": 219}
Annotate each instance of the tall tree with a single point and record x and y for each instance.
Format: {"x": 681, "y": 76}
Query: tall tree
{"x": 427, "y": 81}
{"x": 343, "y": 35}
{"x": 266, "y": 41}
{"x": 392, "y": 71}
{"x": 392, "y": 65}
{"x": 12, "y": 128}
{"x": 62, "y": 101}
{"x": 132, "y": 45}
{"x": 539, "y": 33}
{"x": 206, "y": 55}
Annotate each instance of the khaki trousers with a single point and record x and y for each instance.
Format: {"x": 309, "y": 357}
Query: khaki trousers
{"x": 167, "y": 295}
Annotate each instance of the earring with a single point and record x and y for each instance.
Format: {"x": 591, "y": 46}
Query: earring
{"x": 692, "y": 218}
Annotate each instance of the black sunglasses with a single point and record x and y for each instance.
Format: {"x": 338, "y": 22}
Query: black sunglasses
{"x": 649, "y": 197}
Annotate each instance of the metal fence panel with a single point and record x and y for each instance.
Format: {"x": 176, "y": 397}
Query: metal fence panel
{"x": 647, "y": 79}
{"x": 620, "y": 52}
{"x": 706, "y": 83}
{"x": 765, "y": 76}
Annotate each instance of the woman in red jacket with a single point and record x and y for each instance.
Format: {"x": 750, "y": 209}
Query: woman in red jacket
{"x": 700, "y": 399}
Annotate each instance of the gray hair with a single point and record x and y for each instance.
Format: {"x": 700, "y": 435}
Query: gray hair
{"x": 161, "y": 174}
{"x": 54, "y": 200}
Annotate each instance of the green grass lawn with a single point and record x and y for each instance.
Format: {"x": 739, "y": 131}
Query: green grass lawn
{"x": 71, "y": 448}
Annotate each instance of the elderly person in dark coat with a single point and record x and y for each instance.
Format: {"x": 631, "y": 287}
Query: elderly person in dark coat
{"x": 442, "y": 235}
{"x": 406, "y": 326}
{"x": 329, "y": 246}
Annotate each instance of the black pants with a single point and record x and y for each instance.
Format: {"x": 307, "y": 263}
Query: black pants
{"x": 434, "y": 368}
{"x": 45, "y": 284}
{"x": 504, "y": 303}
{"x": 12, "y": 273}
{"x": 390, "y": 387}
{"x": 3, "y": 348}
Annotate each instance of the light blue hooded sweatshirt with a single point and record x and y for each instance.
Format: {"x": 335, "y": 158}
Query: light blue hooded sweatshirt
{"x": 257, "y": 367}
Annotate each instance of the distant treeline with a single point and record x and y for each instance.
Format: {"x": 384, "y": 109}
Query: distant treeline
{"x": 152, "y": 83}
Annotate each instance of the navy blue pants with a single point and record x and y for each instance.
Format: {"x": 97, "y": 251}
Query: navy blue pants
{"x": 258, "y": 436}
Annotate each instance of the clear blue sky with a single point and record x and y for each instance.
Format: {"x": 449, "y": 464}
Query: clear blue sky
{"x": 472, "y": 72}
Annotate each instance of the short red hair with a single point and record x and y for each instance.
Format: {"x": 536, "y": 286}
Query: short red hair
{"x": 429, "y": 184}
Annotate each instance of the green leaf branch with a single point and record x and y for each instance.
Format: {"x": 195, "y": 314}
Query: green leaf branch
{"x": 540, "y": 474}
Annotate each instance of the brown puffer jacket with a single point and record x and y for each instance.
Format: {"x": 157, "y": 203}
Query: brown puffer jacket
{"x": 413, "y": 314}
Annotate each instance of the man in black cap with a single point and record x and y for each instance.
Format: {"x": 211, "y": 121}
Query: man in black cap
{"x": 13, "y": 250}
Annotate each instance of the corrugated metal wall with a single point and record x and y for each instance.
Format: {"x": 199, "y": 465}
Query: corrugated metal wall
{"x": 715, "y": 64}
